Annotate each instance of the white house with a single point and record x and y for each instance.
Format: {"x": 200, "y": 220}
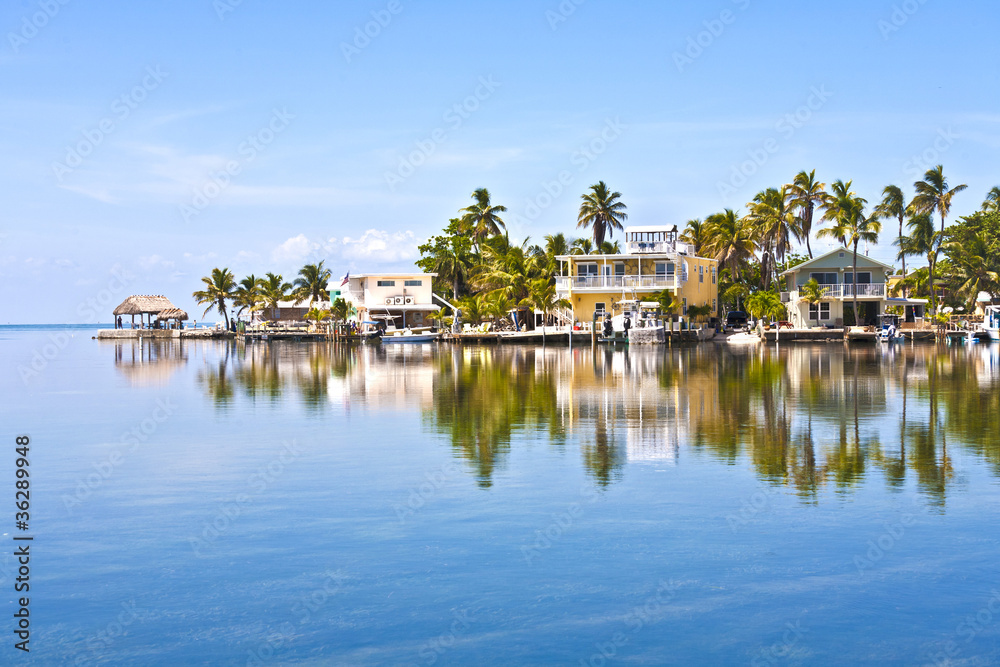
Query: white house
{"x": 834, "y": 273}
{"x": 405, "y": 299}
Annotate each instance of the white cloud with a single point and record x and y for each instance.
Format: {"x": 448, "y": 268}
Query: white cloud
{"x": 381, "y": 247}
{"x": 294, "y": 249}
{"x": 199, "y": 258}
{"x": 154, "y": 261}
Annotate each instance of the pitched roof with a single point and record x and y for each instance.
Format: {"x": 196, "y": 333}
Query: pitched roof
{"x": 144, "y": 304}
{"x": 172, "y": 314}
{"x": 804, "y": 265}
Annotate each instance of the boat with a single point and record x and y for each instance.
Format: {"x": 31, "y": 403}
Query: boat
{"x": 409, "y": 336}
{"x": 991, "y": 322}
{"x": 889, "y": 331}
{"x": 743, "y": 338}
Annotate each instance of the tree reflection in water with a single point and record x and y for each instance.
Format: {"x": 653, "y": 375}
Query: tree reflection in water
{"x": 804, "y": 416}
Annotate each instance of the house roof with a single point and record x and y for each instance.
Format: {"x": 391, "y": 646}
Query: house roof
{"x": 816, "y": 260}
{"x": 140, "y": 304}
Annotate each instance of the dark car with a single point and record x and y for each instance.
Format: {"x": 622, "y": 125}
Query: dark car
{"x": 736, "y": 319}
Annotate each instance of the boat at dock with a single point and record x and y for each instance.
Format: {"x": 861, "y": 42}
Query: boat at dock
{"x": 991, "y": 323}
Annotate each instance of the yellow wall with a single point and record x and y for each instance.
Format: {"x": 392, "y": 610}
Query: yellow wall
{"x": 698, "y": 292}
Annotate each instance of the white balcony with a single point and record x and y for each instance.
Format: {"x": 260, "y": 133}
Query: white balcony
{"x": 865, "y": 291}
{"x": 597, "y": 283}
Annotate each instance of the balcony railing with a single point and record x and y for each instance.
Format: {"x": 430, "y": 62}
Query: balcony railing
{"x": 590, "y": 282}
{"x": 872, "y": 290}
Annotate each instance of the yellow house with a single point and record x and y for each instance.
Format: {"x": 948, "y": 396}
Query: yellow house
{"x": 653, "y": 260}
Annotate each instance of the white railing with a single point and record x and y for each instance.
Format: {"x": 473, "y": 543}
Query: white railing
{"x": 656, "y": 281}
{"x": 877, "y": 290}
{"x": 662, "y": 247}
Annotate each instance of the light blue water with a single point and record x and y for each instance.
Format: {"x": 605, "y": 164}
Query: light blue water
{"x": 305, "y": 504}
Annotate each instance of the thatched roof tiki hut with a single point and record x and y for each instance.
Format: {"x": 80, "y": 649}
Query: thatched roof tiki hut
{"x": 146, "y": 305}
{"x": 172, "y": 314}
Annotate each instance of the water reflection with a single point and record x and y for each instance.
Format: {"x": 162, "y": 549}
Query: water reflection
{"x": 804, "y": 417}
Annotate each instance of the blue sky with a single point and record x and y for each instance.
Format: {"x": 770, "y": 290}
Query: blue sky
{"x": 145, "y": 144}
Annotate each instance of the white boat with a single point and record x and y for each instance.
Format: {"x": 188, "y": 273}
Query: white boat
{"x": 991, "y": 322}
{"x": 743, "y": 338}
{"x": 408, "y": 336}
{"x": 889, "y": 332}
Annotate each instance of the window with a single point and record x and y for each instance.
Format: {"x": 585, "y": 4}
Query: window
{"x": 600, "y": 307}
{"x": 664, "y": 268}
{"x": 413, "y": 283}
{"x": 619, "y": 268}
{"x": 825, "y": 278}
{"x": 822, "y": 308}
{"x": 701, "y": 274}
{"x": 841, "y": 255}
{"x": 864, "y": 278}
{"x": 715, "y": 307}
{"x": 713, "y": 274}
{"x": 387, "y": 283}
{"x": 586, "y": 269}
{"x": 684, "y": 306}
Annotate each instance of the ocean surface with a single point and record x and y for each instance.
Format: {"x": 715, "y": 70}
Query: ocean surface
{"x": 218, "y": 503}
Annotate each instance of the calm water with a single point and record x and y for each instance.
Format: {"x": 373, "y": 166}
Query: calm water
{"x": 215, "y": 503}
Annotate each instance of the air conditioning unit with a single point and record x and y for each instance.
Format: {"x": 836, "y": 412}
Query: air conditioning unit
{"x": 399, "y": 301}
{"x": 389, "y": 301}
{"x": 408, "y": 301}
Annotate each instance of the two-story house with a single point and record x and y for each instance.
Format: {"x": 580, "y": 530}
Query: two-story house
{"x": 653, "y": 260}
{"x": 834, "y": 272}
{"x": 405, "y": 299}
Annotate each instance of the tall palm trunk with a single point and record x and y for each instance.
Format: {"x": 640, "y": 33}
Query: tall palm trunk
{"x": 808, "y": 230}
{"x": 904, "y": 254}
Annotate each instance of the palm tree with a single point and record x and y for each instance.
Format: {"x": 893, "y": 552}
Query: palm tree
{"x": 841, "y": 201}
{"x": 316, "y": 315}
{"x": 482, "y": 219}
{"x": 340, "y": 310}
{"x": 602, "y": 211}
{"x": 219, "y": 288}
{"x": 452, "y": 262}
{"x": 806, "y": 194}
{"x": 765, "y": 303}
{"x": 893, "y": 205}
{"x": 248, "y": 295}
{"x": 609, "y": 248}
{"x": 992, "y": 201}
{"x": 933, "y": 194}
{"x": 556, "y": 245}
{"x": 812, "y": 293}
{"x": 731, "y": 241}
{"x": 775, "y": 223}
{"x": 924, "y": 240}
{"x": 273, "y": 289}
{"x": 973, "y": 266}
{"x": 852, "y": 226}
{"x": 696, "y": 235}
{"x": 582, "y": 246}
{"x": 312, "y": 284}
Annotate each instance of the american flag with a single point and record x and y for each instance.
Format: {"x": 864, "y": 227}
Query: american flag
{"x": 346, "y": 279}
